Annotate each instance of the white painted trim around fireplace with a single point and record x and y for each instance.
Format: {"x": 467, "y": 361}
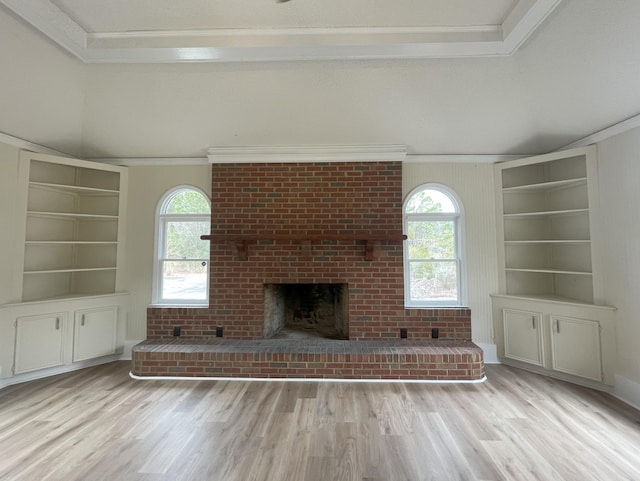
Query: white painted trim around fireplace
{"x": 307, "y": 153}
{"x": 308, "y": 379}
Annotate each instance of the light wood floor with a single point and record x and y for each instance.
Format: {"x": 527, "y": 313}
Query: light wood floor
{"x": 97, "y": 424}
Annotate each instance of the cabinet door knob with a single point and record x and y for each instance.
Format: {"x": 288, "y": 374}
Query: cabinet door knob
{"x": 82, "y": 320}
{"x": 533, "y": 322}
{"x": 57, "y": 323}
{"x": 558, "y": 326}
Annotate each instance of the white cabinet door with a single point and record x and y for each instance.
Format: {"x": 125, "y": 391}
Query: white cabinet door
{"x": 523, "y": 336}
{"x": 575, "y": 347}
{"x": 39, "y": 342}
{"x": 95, "y": 332}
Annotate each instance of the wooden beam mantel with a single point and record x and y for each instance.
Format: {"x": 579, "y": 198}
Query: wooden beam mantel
{"x": 242, "y": 241}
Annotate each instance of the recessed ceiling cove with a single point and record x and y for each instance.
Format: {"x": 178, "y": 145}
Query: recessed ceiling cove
{"x": 155, "y": 31}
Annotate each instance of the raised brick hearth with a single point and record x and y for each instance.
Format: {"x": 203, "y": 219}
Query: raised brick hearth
{"x": 276, "y": 358}
{"x": 332, "y": 224}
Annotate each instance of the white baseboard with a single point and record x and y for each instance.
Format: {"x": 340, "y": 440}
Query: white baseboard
{"x": 628, "y": 391}
{"x": 52, "y": 371}
{"x": 128, "y": 348}
{"x": 490, "y": 353}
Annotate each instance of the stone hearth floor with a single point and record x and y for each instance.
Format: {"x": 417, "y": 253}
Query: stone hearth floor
{"x": 309, "y": 358}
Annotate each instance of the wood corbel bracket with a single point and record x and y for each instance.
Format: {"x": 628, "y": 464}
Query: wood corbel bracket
{"x": 306, "y": 247}
{"x": 242, "y": 249}
{"x": 368, "y": 249}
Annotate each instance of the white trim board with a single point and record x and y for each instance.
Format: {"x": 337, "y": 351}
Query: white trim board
{"x": 279, "y": 44}
{"x": 627, "y": 391}
{"x": 490, "y": 353}
{"x": 604, "y": 134}
{"x": 30, "y": 146}
{"x": 127, "y": 352}
{"x": 303, "y": 379}
{"x": 409, "y": 158}
{"x": 53, "y": 371}
{"x": 151, "y": 161}
{"x": 307, "y": 153}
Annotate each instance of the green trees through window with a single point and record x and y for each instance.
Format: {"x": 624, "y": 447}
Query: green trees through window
{"x": 183, "y": 258}
{"x": 432, "y": 261}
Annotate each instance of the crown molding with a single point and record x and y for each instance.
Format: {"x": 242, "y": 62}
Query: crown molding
{"x": 604, "y": 134}
{"x": 462, "y": 158}
{"x": 30, "y": 146}
{"x": 278, "y": 44}
{"x": 151, "y": 161}
{"x": 524, "y": 19}
{"x": 306, "y": 153}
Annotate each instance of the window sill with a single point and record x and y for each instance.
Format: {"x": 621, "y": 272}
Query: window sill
{"x": 183, "y": 305}
{"x": 436, "y": 306}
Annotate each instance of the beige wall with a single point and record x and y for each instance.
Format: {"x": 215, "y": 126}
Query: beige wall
{"x": 147, "y": 185}
{"x": 473, "y": 183}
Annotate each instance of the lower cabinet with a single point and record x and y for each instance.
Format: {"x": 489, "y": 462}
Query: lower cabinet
{"x": 523, "y": 336}
{"x": 575, "y": 347}
{"x": 58, "y": 333}
{"x": 39, "y": 342}
{"x": 95, "y": 333}
{"x": 574, "y": 342}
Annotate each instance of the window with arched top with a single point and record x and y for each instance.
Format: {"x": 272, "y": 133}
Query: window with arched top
{"x": 432, "y": 255}
{"x": 182, "y": 260}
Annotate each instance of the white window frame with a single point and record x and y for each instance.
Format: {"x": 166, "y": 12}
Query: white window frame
{"x": 160, "y": 247}
{"x": 458, "y": 219}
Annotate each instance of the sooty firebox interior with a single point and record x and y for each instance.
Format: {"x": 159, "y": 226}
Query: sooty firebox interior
{"x": 316, "y": 309}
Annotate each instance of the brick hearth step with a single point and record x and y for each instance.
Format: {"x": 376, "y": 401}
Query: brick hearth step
{"x": 332, "y": 359}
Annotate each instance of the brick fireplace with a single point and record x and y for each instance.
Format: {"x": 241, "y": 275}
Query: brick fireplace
{"x": 309, "y": 224}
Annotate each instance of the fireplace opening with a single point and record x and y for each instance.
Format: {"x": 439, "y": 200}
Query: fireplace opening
{"x": 319, "y": 310}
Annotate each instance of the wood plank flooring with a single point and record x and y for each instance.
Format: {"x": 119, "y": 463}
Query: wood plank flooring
{"x": 98, "y": 424}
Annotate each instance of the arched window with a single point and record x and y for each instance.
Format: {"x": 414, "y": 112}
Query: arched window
{"x": 432, "y": 260}
{"x": 182, "y": 260}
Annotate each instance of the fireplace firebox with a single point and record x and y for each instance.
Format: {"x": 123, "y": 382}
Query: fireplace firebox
{"x": 316, "y": 309}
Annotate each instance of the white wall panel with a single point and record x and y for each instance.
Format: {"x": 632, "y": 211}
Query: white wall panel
{"x": 474, "y": 185}
{"x": 619, "y": 174}
{"x": 10, "y": 286}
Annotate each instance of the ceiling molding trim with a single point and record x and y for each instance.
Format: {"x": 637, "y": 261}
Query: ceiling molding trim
{"x": 53, "y": 22}
{"x": 284, "y": 44}
{"x": 604, "y": 134}
{"x": 295, "y": 53}
{"x": 462, "y": 158}
{"x": 151, "y": 161}
{"x": 441, "y": 31}
{"x": 30, "y": 146}
{"x": 524, "y": 19}
{"x": 307, "y": 153}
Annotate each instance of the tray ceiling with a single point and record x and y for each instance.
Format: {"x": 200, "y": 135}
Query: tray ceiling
{"x": 261, "y": 30}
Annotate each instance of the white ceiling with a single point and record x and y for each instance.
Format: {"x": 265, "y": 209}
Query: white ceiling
{"x": 130, "y": 90}
{"x": 168, "y": 15}
{"x": 260, "y": 30}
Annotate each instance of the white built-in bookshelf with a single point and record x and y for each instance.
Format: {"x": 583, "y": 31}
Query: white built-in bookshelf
{"x": 73, "y": 227}
{"x": 546, "y": 232}
{"x": 548, "y": 314}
